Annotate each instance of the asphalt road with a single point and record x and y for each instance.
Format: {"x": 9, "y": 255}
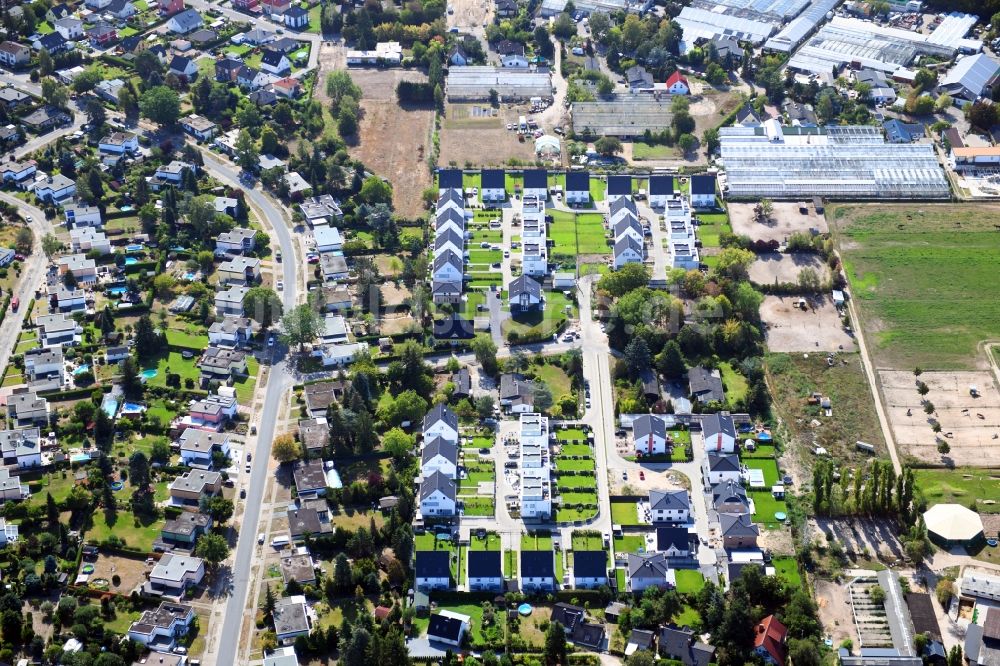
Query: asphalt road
{"x": 224, "y": 650}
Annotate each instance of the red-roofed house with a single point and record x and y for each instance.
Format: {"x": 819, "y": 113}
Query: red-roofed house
{"x": 769, "y": 640}
{"x": 678, "y": 85}
{"x": 287, "y": 87}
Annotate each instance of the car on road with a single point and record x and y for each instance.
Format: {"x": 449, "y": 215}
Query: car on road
{"x": 29, "y": 218}
{"x": 506, "y": 254}
{"x": 280, "y": 286}
{"x": 243, "y": 493}
{"x": 260, "y": 538}
{"x": 277, "y": 256}
{"x": 312, "y": 258}
{"x": 642, "y": 475}
{"x": 249, "y": 457}
{"x": 587, "y": 403}
{"x": 270, "y": 340}
{"x": 15, "y": 303}
{"x": 624, "y": 476}
{"x": 248, "y": 468}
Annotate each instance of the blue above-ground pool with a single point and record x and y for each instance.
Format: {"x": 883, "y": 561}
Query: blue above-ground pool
{"x": 117, "y": 485}
{"x": 149, "y": 373}
{"x": 525, "y": 609}
{"x": 780, "y": 515}
{"x": 764, "y": 437}
{"x": 133, "y": 248}
{"x": 131, "y": 260}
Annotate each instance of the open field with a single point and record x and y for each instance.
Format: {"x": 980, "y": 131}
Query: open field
{"x": 785, "y": 220}
{"x": 775, "y": 267}
{"x": 961, "y": 486}
{"x": 968, "y": 424}
{"x": 917, "y": 273}
{"x": 792, "y": 379}
{"x": 816, "y": 330}
{"x": 469, "y": 139}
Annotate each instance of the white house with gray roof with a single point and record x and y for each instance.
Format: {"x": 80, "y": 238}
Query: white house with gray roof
{"x": 719, "y": 433}
{"x": 291, "y": 619}
{"x": 440, "y": 422}
{"x": 649, "y": 570}
{"x": 174, "y": 574}
{"x": 22, "y": 448}
{"x": 670, "y": 506}
{"x": 439, "y": 455}
{"x": 437, "y": 495}
{"x": 649, "y": 435}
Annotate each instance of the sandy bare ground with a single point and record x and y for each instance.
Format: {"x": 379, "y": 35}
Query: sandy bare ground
{"x": 775, "y": 267}
{"x": 833, "y": 600}
{"x": 968, "y": 424}
{"x": 785, "y": 220}
{"x": 818, "y": 329}
{"x": 861, "y": 537}
{"x": 469, "y": 16}
{"x": 471, "y": 138}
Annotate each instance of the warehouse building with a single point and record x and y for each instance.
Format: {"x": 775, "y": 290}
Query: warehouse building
{"x": 795, "y": 32}
{"x": 849, "y": 162}
{"x": 556, "y": 7}
{"x": 475, "y": 83}
{"x": 623, "y": 116}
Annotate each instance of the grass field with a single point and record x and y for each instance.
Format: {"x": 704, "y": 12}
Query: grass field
{"x": 711, "y": 226}
{"x": 959, "y": 486}
{"x": 624, "y": 513}
{"x": 630, "y": 543}
{"x": 571, "y": 434}
{"x": 575, "y": 234}
{"x": 556, "y": 378}
{"x": 583, "y": 541}
{"x": 765, "y": 506}
{"x": 536, "y": 542}
{"x": 133, "y": 532}
{"x": 689, "y": 581}
{"x": 597, "y": 189}
{"x": 735, "y": 383}
{"x": 590, "y": 237}
{"x": 571, "y": 465}
{"x": 788, "y": 568}
{"x": 688, "y": 617}
{"x": 916, "y": 273}
{"x": 769, "y": 467}
{"x": 491, "y": 542}
{"x": 793, "y": 379}
{"x": 645, "y": 151}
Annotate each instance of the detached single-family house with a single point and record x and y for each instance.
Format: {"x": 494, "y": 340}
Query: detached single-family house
{"x": 230, "y": 301}
{"x": 446, "y": 291}
{"x": 221, "y": 365}
{"x": 198, "y": 446}
{"x": 169, "y": 174}
{"x": 492, "y": 185}
{"x": 109, "y": 90}
{"x": 14, "y": 55}
{"x": 119, "y": 143}
{"x": 199, "y": 127}
{"x": 55, "y": 330}
{"x": 210, "y": 412}
{"x": 231, "y": 332}
{"x": 578, "y": 630}
{"x": 769, "y": 641}
{"x": 670, "y": 506}
{"x": 517, "y": 395}
{"x": 738, "y": 530}
{"x": 102, "y": 34}
{"x": 730, "y": 497}
{"x": 618, "y": 187}
{"x": 682, "y": 645}
{"x": 525, "y": 294}
{"x": 287, "y": 87}
{"x": 299, "y": 568}
{"x": 70, "y": 28}
{"x": 536, "y": 184}
{"x": 226, "y": 69}
{"x": 437, "y": 495}
{"x": 310, "y": 478}
{"x": 275, "y": 62}
{"x": 457, "y": 56}
{"x": 703, "y": 191}
{"x": 637, "y": 78}
{"x": 291, "y": 619}
{"x": 53, "y": 43}
{"x": 677, "y": 84}
{"x": 185, "y": 529}
{"x": 649, "y": 435}
{"x": 485, "y": 573}
{"x": 159, "y": 629}
{"x": 676, "y": 542}
{"x": 328, "y": 239}
{"x": 537, "y": 571}
{"x": 448, "y": 628}
{"x": 441, "y": 422}
{"x": 721, "y": 467}
{"x": 449, "y": 179}
{"x": 21, "y": 448}
{"x": 169, "y": 7}
{"x": 439, "y": 455}
{"x": 590, "y": 568}
{"x": 705, "y": 385}
{"x": 89, "y": 239}
{"x": 121, "y": 9}
{"x": 296, "y": 17}
{"x": 184, "y": 22}
{"x": 55, "y": 189}
{"x": 432, "y": 570}
{"x": 18, "y": 173}
{"x": 320, "y": 210}
{"x": 239, "y": 270}
{"x": 511, "y": 54}
{"x": 82, "y": 215}
{"x": 648, "y": 570}
{"x": 174, "y": 575}
{"x": 40, "y": 364}
{"x": 719, "y": 433}
{"x": 237, "y": 240}
{"x": 190, "y": 488}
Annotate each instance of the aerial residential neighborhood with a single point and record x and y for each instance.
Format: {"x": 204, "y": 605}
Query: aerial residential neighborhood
{"x": 503, "y": 332}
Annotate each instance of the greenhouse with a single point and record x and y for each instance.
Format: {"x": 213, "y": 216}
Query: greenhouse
{"x": 835, "y": 162}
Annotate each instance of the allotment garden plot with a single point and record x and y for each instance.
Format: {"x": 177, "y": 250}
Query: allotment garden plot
{"x": 576, "y": 484}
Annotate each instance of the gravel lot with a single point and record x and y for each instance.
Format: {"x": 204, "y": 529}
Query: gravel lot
{"x": 776, "y": 267}
{"x": 785, "y": 220}
{"x": 818, "y": 329}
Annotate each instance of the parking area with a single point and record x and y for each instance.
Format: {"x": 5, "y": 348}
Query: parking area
{"x": 774, "y": 267}
{"x": 786, "y": 219}
{"x": 818, "y": 328}
{"x": 970, "y": 424}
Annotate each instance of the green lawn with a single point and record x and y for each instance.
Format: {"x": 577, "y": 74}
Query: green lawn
{"x": 55, "y": 484}
{"x": 711, "y": 226}
{"x": 576, "y": 450}
{"x": 572, "y": 465}
{"x": 576, "y": 481}
{"x": 194, "y": 338}
{"x": 590, "y": 238}
{"x": 624, "y": 513}
{"x": 582, "y": 541}
{"x": 475, "y": 613}
{"x": 556, "y": 378}
{"x": 917, "y": 272}
{"x": 621, "y": 579}
{"x": 689, "y": 581}
{"x": 735, "y": 384}
{"x": 478, "y": 506}
{"x": 571, "y": 434}
{"x": 44, "y": 28}
{"x": 510, "y": 563}
{"x": 126, "y": 527}
{"x": 688, "y": 617}
{"x": 536, "y": 542}
{"x": 314, "y": 18}
{"x": 644, "y": 151}
{"x": 769, "y": 467}
{"x": 589, "y": 499}
{"x": 962, "y": 485}
{"x": 630, "y": 543}
{"x": 597, "y": 188}
{"x": 206, "y": 67}
{"x": 491, "y": 542}
{"x": 245, "y": 385}
{"x": 788, "y": 568}
{"x": 765, "y": 506}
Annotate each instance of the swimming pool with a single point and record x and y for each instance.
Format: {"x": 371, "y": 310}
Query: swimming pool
{"x": 82, "y": 369}
{"x": 133, "y": 248}
{"x": 190, "y": 277}
{"x": 132, "y": 408}
{"x": 117, "y": 290}
{"x": 126, "y": 208}
{"x": 764, "y": 437}
{"x": 110, "y": 407}
{"x": 131, "y": 260}
{"x": 80, "y": 458}
{"x": 149, "y": 373}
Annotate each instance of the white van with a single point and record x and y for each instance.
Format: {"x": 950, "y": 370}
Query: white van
{"x": 280, "y": 542}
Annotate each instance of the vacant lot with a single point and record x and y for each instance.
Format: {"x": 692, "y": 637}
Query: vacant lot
{"x": 774, "y": 267}
{"x": 963, "y": 485}
{"x": 789, "y": 329}
{"x": 918, "y": 274}
{"x": 785, "y": 220}
{"x": 472, "y": 135}
{"x": 968, "y": 424}
{"x": 130, "y": 572}
{"x": 793, "y": 379}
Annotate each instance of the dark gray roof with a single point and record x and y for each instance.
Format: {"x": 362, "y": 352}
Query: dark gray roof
{"x": 290, "y": 616}
{"x": 271, "y": 58}
{"x": 179, "y": 63}
{"x": 728, "y": 492}
{"x": 437, "y": 481}
{"x": 647, "y": 424}
{"x": 537, "y": 564}
{"x": 525, "y": 285}
{"x": 590, "y": 563}
{"x": 737, "y": 525}
{"x": 439, "y": 447}
{"x": 578, "y": 181}
{"x": 628, "y": 242}
{"x": 643, "y": 638}
{"x": 536, "y": 179}
{"x": 433, "y": 564}
{"x": 619, "y": 185}
{"x": 713, "y": 424}
{"x": 462, "y": 381}
{"x": 446, "y": 287}
{"x": 452, "y": 194}
{"x": 703, "y": 383}
{"x": 723, "y": 462}
{"x": 661, "y": 185}
{"x": 669, "y": 499}
{"x": 449, "y": 215}
{"x": 441, "y": 412}
{"x": 514, "y": 385}
{"x": 680, "y": 644}
{"x": 444, "y": 627}
{"x": 626, "y": 223}
{"x": 647, "y": 565}
{"x": 448, "y": 235}
{"x": 623, "y": 203}
{"x": 296, "y": 11}
{"x": 449, "y": 178}
{"x": 677, "y": 537}
{"x": 493, "y": 179}
{"x": 454, "y": 327}
{"x": 484, "y": 564}
{"x": 448, "y": 257}
{"x": 702, "y": 184}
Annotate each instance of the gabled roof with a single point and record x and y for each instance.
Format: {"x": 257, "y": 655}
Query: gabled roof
{"x": 664, "y": 500}
{"x": 769, "y": 634}
{"x": 729, "y": 492}
{"x": 623, "y": 203}
{"x": 448, "y": 257}
{"x": 628, "y": 243}
{"x": 661, "y": 185}
{"x": 454, "y": 327}
{"x": 703, "y": 184}
{"x": 446, "y": 215}
{"x": 537, "y": 564}
{"x": 179, "y": 63}
{"x": 705, "y": 384}
{"x": 437, "y": 481}
{"x": 272, "y": 58}
{"x": 492, "y": 179}
{"x": 647, "y": 565}
{"x": 577, "y": 181}
{"x": 187, "y": 20}
{"x": 590, "y": 563}
{"x": 450, "y": 195}
{"x": 449, "y": 178}
{"x": 296, "y": 11}
{"x": 51, "y": 41}
{"x": 484, "y": 564}
{"x": 439, "y": 446}
{"x": 972, "y": 73}
{"x": 444, "y": 627}
{"x": 737, "y": 525}
{"x": 713, "y": 424}
{"x": 441, "y": 412}
{"x": 536, "y": 179}
{"x": 747, "y": 115}
{"x": 646, "y": 425}
{"x": 446, "y": 236}
{"x": 433, "y": 564}
{"x": 677, "y": 77}
{"x": 680, "y": 644}
{"x": 673, "y": 537}
{"x": 619, "y": 185}
{"x": 525, "y": 285}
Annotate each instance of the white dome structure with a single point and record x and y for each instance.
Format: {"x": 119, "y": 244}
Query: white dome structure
{"x": 953, "y": 525}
